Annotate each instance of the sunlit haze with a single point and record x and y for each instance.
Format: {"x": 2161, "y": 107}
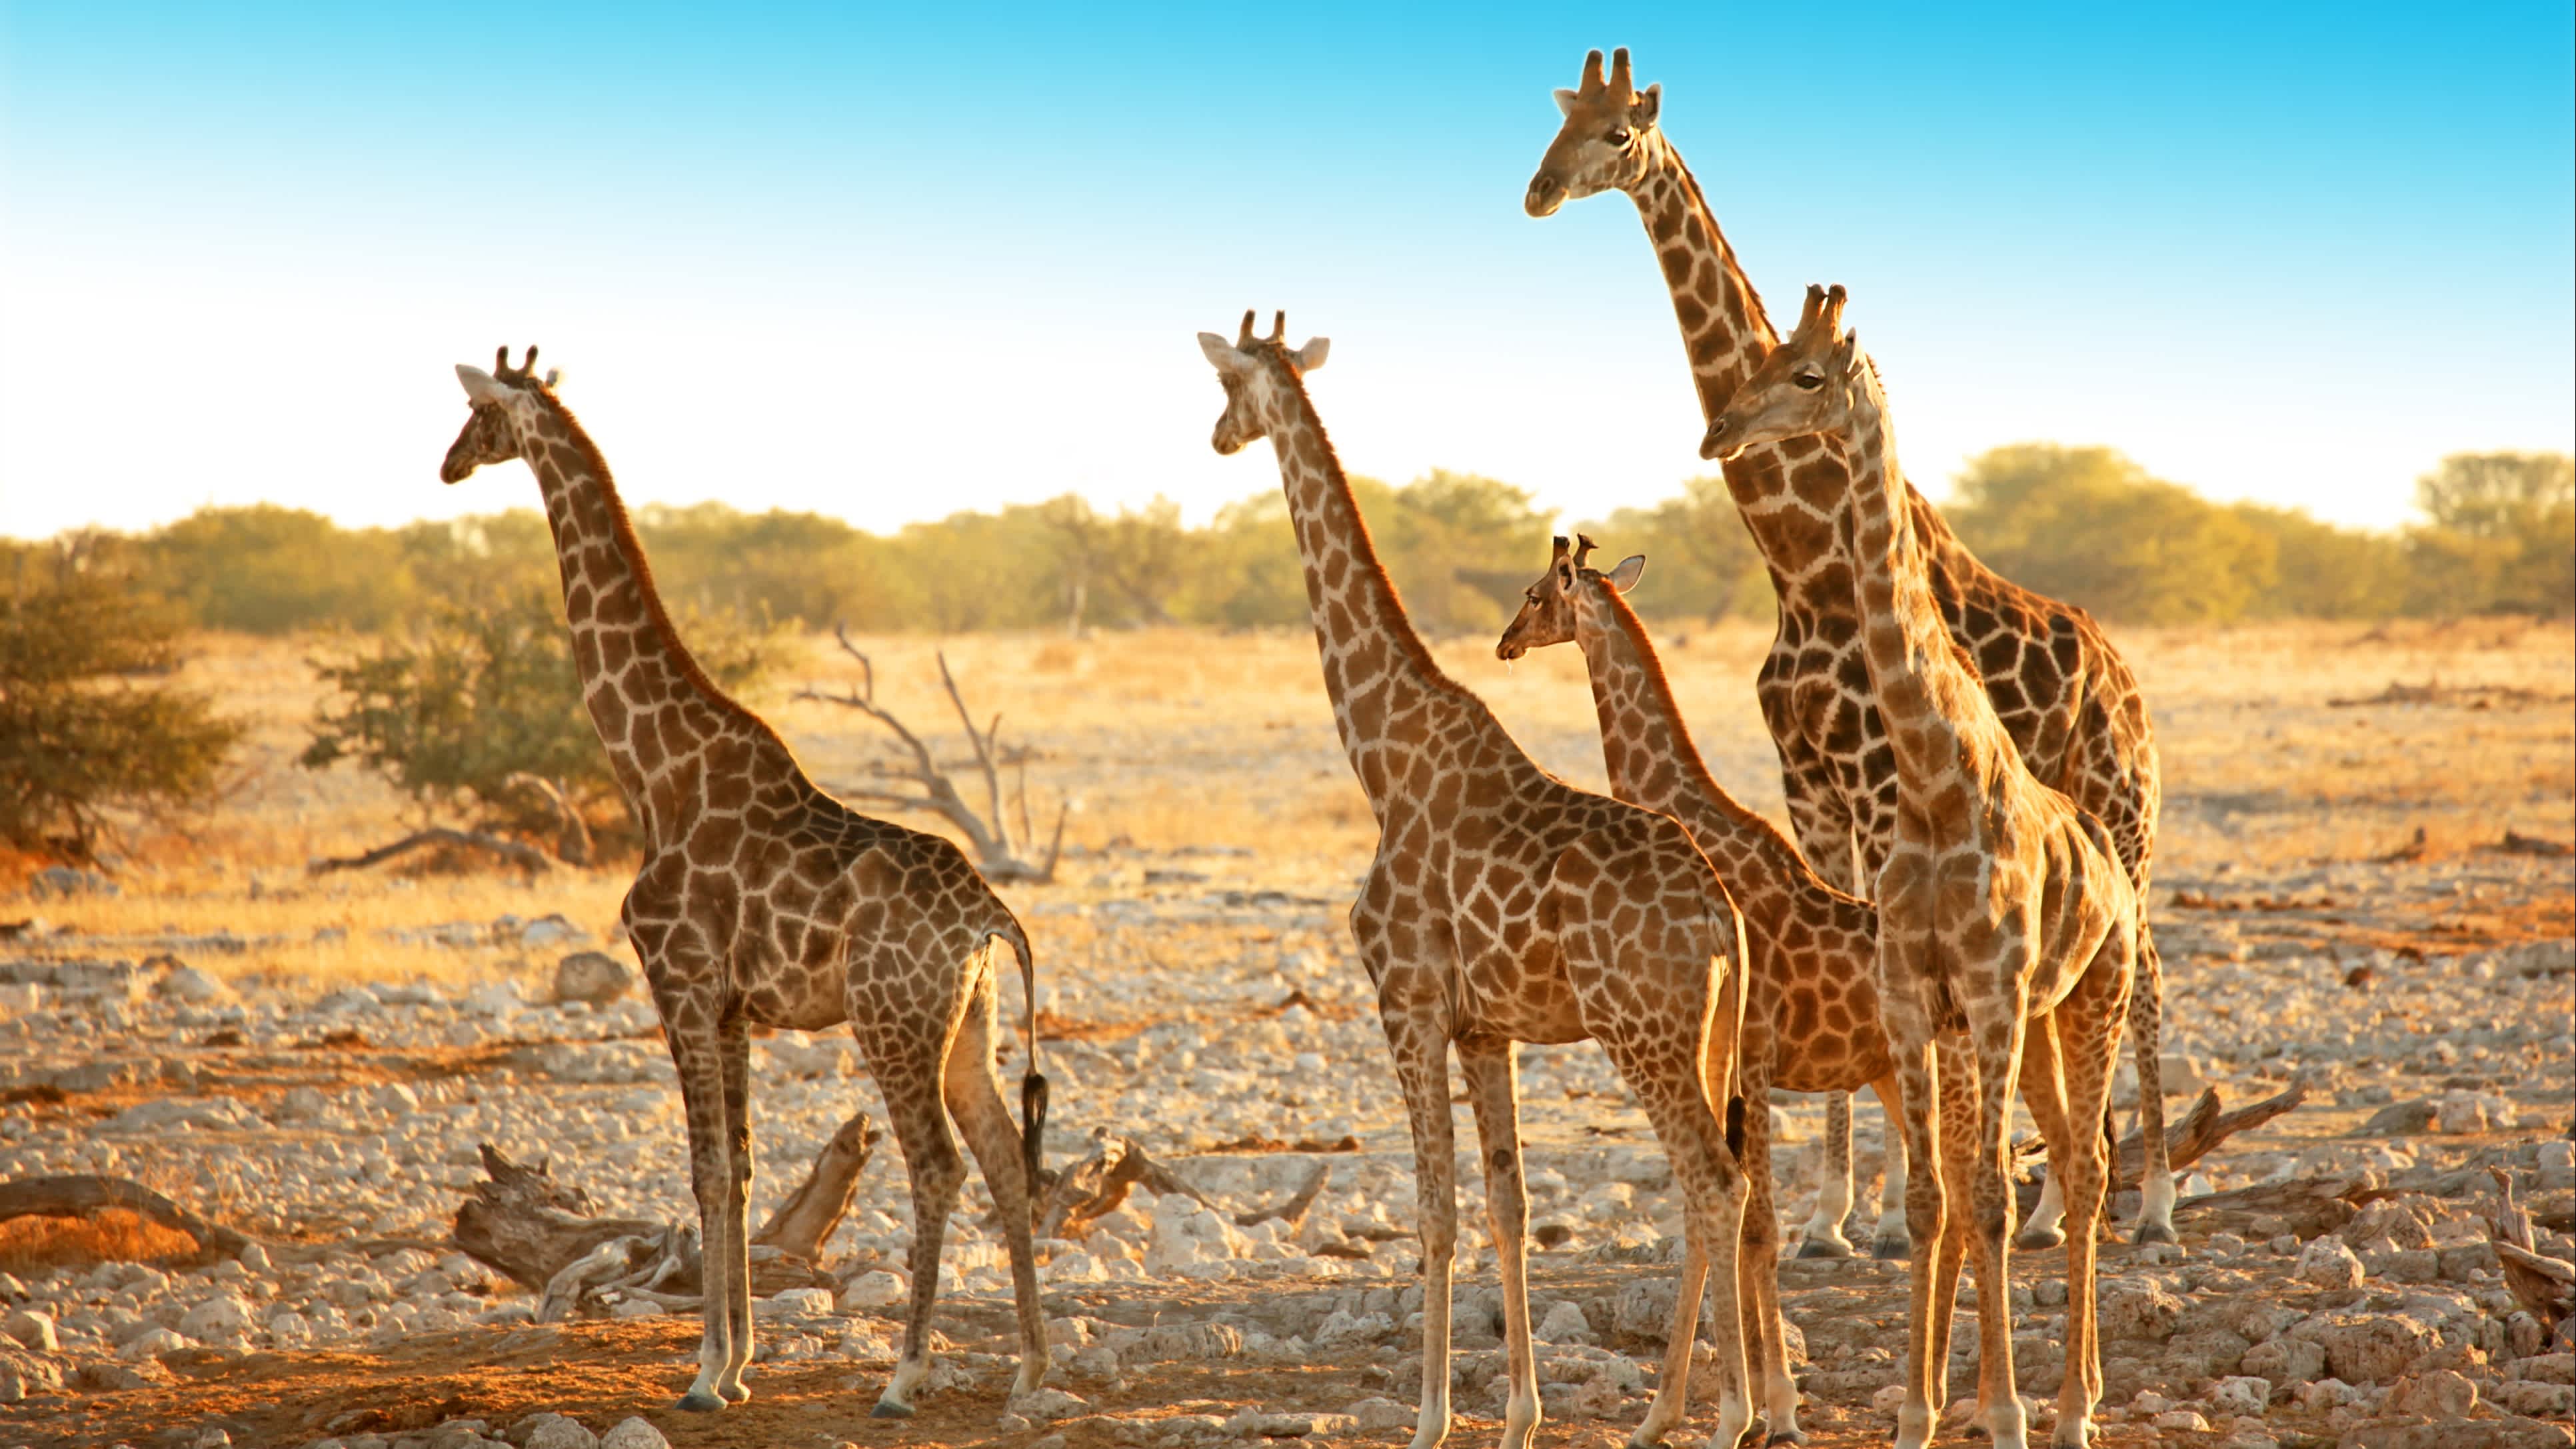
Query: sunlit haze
{"x": 891, "y": 266}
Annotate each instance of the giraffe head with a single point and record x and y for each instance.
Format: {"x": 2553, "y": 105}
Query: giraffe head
{"x": 1809, "y": 384}
{"x": 491, "y": 432}
{"x": 1550, "y": 606}
{"x": 1255, "y": 371}
{"x": 1602, "y": 145}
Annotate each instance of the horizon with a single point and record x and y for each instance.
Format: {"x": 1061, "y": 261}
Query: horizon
{"x": 958, "y": 262}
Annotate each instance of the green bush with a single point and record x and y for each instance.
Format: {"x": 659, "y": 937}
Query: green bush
{"x": 450, "y": 711}
{"x": 88, "y": 728}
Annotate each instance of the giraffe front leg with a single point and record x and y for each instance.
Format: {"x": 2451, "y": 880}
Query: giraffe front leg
{"x": 697, "y": 1056}
{"x": 735, "y": 1040}
{"x": 1888, "y": 1240}
{"x": 1419, "y": 1043}
{"x": 1822, "y": 1237}
{"x": 1758, "y": 1262}
{"x": 1494, "y": 1090}
{"x": 2146, "y": 1025}
{"x": 1918, "y": 1117}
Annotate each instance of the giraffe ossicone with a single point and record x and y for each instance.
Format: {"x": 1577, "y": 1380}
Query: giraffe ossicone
{"x": 763, "y": 901}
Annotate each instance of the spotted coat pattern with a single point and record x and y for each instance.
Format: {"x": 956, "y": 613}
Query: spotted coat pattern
{"x": 763, "y": 901}
{"x": 1505, "y": 906}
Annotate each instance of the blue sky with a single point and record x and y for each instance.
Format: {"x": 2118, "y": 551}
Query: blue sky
{"x": 887, "y": 265}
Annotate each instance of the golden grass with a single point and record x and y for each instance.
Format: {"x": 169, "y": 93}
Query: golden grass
{"x": 1170, "y": 739}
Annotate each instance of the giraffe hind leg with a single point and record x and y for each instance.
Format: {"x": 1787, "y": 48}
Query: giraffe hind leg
{"x": 2146, "y": 1023}
{"x": 908, "y": 1069}
{"x": 696, "y": 1055}
{"x": 975, "y": 1099}
{"x": 1889, "y": 1241}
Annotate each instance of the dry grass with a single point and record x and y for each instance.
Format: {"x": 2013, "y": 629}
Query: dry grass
{"x": 38, "y": 1244}
{"x": 1169, "y": 740}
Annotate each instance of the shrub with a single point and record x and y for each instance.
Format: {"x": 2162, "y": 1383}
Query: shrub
{"x": 87, "y": 728}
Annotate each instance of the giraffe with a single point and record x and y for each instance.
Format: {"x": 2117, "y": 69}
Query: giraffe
{"x": 2005, "y": 912}
{"x": 763, "y": 901}
{"x": 2064, "y": 694}
{"x": 1811, "y": 990}
{"x": 1505, "y": 906}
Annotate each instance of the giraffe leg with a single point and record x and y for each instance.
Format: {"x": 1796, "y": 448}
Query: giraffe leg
{"x": 1493, "y": 1088}
{"x": 735, "y": 1041}
{"x": 1888, "y": 1240}
{"x": 1758, "y": 1260}
{"x": 1955, "y": 1088}
{"x": 974, "y": 1098}
{"x": 1998, "y": 1046}
{"x": 1918, "y": 1118}
{"x": 2089, "y": 1024}
{"x": 1822, "y": 1237}
{"x": 909, "y": 1067}
{"x": 1420, "y": 1046}
{"x": 2146, "y": 1024}
{"x": 697, "y": 1055}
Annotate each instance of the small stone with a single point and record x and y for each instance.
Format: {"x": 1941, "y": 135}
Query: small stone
{"x": 554, "y": 1431}
{"x": 2328, "y": 1263}
{"x": 150, "y": 1345}
{"x": 593, "y": 978}
{"x": 804, "y": 1302}
{"x": 1565, "y": 1323}
{"x": 2444, "y": 1395}
{"x": 35, "y": 1330}
{"x": 633, "y": 1433}
{"x": 1045, "y": 1406}
{"x": 2186, "y": 1421}
{"x": 879, "y": 1288}
{"x": 1378, "y": 1414}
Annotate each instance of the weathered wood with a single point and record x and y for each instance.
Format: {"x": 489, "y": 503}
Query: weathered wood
{"x": 79, "y": 1195}
{"x": 573, "y": 844}
{"x": 1093, "y": 1188}
{"x": 2544, "y": 1286}
{"x": 805, "y": 1221}
{"x": 523, "y": 1222}
{"x": 1293, "y": 1211}
{"x": 2306, "y": 1206}
{"x": 526, "y": 857}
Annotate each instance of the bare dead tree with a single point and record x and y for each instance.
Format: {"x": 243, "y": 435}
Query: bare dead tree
{"x": 572, "y": 838}
{"x": 997, "y": 853}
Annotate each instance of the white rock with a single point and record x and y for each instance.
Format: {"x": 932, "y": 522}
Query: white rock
{"x": 495, "y": 998}
{"x": 2183, "y": 1421}
{"x": 554, "y": 1431}
{"x": 879, "y": 1288}
{"x": 219, "y": 1319}
{"x": 2328, "y": 1263}
{"x": 1187, "y": 1236}
{"x": 1045, "y": 1406}
{"x": 805, "y": 1302}
{"x": 593, "y": 977}
{"x": 2239, "y": 1394}
{"x": 1378, "y": 1414}
{"x": 35, "y": 1330}
{"x": 633, "y": 1434}
{"x": 188, "y": 984}
{"x": 1565, "y": 1323}
{"x": 151, "y": 1344}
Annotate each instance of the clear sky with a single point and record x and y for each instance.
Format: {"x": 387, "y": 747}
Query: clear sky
{"x": 888, "y": 262}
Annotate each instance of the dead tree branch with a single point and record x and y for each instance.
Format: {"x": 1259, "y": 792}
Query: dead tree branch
{"x": 805, "y": 1221}
{"x": 999, "y": 856}
{"x": 79, "y": 1195}
{"x": 526, "y": 857}
{"x": 572, "y": 833}
{"x": 2544, "y": 1286}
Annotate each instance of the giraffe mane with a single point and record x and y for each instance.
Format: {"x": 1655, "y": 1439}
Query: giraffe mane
{"x": 622, "y": 534}
{"x": 1408, "y": 639}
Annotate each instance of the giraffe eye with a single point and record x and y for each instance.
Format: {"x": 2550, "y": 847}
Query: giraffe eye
{"x": 1809, "y": 381}
{"x": 1618, "y": 137}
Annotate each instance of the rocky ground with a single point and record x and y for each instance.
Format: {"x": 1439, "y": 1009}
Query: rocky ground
{"x": 1202, "y": 1000}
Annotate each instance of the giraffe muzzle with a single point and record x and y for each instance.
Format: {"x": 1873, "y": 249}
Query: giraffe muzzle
{"x": 1715, "y": 443}
{"x": 1546, "y": 194}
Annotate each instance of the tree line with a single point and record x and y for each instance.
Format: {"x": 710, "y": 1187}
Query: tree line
{"x": 2496, "y": 532}
{"x": 454, "y": 679}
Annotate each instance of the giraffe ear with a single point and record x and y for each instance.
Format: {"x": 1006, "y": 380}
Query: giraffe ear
{"x": 1222, "y": 353}
{"x": 1565, "y": 100}
{"x": 479, "y": 386}
{"x": 1625, "y": 576}
{"x": 1648, "y": 105}
{"x": 1311, "y": 356}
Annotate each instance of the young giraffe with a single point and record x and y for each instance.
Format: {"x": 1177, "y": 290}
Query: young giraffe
{"x": 1506, "y": 906}
{"x": 763, "y": 901}
{"x": 2004, "y": 912}
{"x": 1811, "y": 993}
{"x": 2063, "y": 693}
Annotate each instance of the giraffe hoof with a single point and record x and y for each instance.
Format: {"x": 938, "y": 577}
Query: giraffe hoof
{"x": 1787, "y": 1436}
{"x": 1895, "y": 1249}
{"x": 1823, "y": 1248}
{"x": 889, "y": 1409}
{"x": 698, "y": 1401}
{"x": 734, "y": 1393}
{"x": 2035, "y": 1239}
{"x": 2154, "y": 1233}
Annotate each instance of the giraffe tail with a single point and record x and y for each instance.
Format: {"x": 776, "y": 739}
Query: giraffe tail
{"x": 1033, "y": 1083}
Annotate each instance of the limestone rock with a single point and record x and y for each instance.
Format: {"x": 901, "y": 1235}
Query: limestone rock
{"x": 633, "y": 1433}
{"x": 593, "y": 978}
{"x": 2329, "y": 1263}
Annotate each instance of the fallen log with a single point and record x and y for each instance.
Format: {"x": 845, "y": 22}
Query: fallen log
{"x": 78, "y": 1195}
{"x": 2306, "y": 1206}
{"x": 526, "y": 857}
{"x": 1093, "y": 1188}
{"x": 2196, "y": 1136}
{"x": 523, "y": 1222}
{"x": 2544, "y": 1286}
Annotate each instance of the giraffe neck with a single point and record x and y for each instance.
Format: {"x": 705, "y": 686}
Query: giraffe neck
{"x": 1653, "y": 762}
{"x": 1936, "y": 711}
{"x": 1789, "y": 506}
{"x": 657, "y": 712}
{"x": 1725, "y": 332}
{"x": 1380, "y": 676}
